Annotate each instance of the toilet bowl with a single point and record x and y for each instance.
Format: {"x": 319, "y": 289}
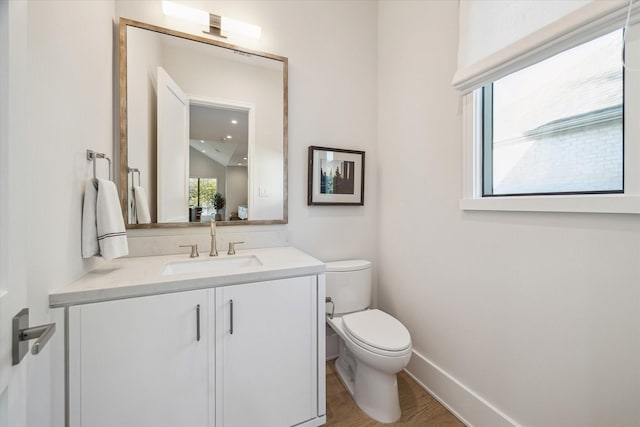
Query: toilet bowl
{"x": 373, "y": 347}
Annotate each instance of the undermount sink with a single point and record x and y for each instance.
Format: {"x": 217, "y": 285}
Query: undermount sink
{"x": 214, "y": 265}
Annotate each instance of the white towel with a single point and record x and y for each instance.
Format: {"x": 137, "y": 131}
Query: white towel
{"x": 102, "y": 223}
{"x": 112, "y": 236}
{"x": 142, "y": 206}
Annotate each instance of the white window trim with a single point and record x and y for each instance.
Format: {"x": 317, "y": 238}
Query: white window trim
{"x": 626, "y": 203}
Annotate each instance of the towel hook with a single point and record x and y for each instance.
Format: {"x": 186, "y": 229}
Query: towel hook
{"x": 92, "y": 156}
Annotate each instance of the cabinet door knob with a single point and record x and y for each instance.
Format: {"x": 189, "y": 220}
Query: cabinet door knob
{"x": 194, "y": 250}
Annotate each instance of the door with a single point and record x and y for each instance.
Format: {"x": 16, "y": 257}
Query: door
{"x": 140, "y": 362}
{"x": 266, "y": 353}
{"x": 173, "y": 150}
{"x": 13, "y": 282}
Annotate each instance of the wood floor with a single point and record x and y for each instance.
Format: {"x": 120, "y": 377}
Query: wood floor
{"x": 418, "y": 407}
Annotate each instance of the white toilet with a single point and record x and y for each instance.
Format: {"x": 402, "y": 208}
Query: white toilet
{"x": 373, "y": 345}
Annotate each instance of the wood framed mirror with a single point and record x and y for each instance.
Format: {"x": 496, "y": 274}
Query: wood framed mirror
{"x": 200, "y": 121}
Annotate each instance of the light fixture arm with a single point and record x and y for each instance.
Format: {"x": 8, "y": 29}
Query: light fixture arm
{"x": 215, "y": 26}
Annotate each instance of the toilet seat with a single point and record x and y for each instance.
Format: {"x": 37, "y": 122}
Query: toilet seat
{"x": 377, "y": 332}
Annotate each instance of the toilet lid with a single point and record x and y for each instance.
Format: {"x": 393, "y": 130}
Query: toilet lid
{"x": 377, "y": 329}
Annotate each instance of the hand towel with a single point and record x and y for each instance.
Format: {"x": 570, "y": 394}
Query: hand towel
{"x": 112, "y": 237}
{"x": 142, "y": 206}
{"x": 89, "y": 228}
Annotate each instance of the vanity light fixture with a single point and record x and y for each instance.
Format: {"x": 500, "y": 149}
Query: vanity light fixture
{"x": 219, "y": 26}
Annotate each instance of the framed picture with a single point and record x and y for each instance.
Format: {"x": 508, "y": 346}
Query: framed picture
{"x": 336, "y": 176}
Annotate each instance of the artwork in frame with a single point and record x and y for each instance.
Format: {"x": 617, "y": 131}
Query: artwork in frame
{"x": 336, "y": 176}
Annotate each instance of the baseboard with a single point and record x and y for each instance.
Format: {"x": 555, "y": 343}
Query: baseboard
{"x": 460, "y": 400}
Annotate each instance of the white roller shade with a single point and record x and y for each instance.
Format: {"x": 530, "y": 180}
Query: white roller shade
{"x": 499, "y": 37}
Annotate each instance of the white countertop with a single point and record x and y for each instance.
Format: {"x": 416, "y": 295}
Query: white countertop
{"x": 134, "y": 277}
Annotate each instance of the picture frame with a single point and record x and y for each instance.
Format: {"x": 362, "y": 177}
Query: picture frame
{"x": 336, "y": 176}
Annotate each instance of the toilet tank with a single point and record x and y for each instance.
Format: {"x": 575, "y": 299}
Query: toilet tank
{"x": 349, "y": 285}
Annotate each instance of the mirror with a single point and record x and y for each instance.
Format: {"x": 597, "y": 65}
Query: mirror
{"x": 203, "y": 130}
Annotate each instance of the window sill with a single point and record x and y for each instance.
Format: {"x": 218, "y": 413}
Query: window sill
{"x": 618, "y": 204}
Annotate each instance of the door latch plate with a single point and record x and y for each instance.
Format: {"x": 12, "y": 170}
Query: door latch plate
{"x": 20, "y": 347}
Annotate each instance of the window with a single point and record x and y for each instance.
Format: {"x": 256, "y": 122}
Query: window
{"x": 556, "y": 127}
{"x": 201, "y": 192}
{"x": 557, "y": 112}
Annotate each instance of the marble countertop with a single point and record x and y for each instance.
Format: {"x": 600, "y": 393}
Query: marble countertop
{"x": 135, "y": 277}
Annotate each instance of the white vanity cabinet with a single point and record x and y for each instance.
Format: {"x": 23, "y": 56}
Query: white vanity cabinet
{"x": 238, "y": 355}
{"x": 267, "y": 353}
{"x": 139, "y": 362}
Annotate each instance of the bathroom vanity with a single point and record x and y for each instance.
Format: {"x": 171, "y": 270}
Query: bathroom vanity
{"x": 222, "y": 341}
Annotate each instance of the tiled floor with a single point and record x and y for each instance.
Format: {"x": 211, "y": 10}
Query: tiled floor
{"x": 418, "y": 407}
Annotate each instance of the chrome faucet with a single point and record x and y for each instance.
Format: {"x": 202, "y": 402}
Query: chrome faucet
{"x": 214, "y": 249}
{"x": 194, "y": 250}
{"x": 232, "y": 248}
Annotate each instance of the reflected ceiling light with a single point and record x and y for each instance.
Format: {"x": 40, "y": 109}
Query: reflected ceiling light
{"x": 202, "y": 141}
{"x": 244, "y": 158}
{"x": 229, "y": 137}
{"x": 234, "y": 122}
{"x": 219, "y": 26}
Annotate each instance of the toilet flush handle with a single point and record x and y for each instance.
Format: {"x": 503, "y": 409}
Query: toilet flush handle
{"x": 327, "y": 300}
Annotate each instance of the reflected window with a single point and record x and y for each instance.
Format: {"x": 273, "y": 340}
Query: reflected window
{"x": 201, "y": 192}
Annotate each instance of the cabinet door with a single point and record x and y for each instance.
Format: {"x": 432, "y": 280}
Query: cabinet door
{"x": 138, "y": 362}
{"x": 266, "y": 348}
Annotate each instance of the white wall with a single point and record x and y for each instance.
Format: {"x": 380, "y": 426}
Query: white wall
{"x": 529, "y": 316}
{"x": 332, "y": 102}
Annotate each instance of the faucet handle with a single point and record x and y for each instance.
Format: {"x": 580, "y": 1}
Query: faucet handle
{"x": 232, "y": 248}
{"x": 194, "y": 250}
{"x": 214, "y": 248}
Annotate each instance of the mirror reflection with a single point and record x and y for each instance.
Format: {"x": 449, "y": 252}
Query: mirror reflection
{"x": 218, "y": 159}
{"x": 203, "y": 130}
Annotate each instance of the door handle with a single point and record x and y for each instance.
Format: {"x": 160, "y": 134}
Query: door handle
{"x": 22, "y": 333}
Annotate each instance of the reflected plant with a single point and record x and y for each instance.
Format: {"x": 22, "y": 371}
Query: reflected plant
{"x": 218, "y": 204}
